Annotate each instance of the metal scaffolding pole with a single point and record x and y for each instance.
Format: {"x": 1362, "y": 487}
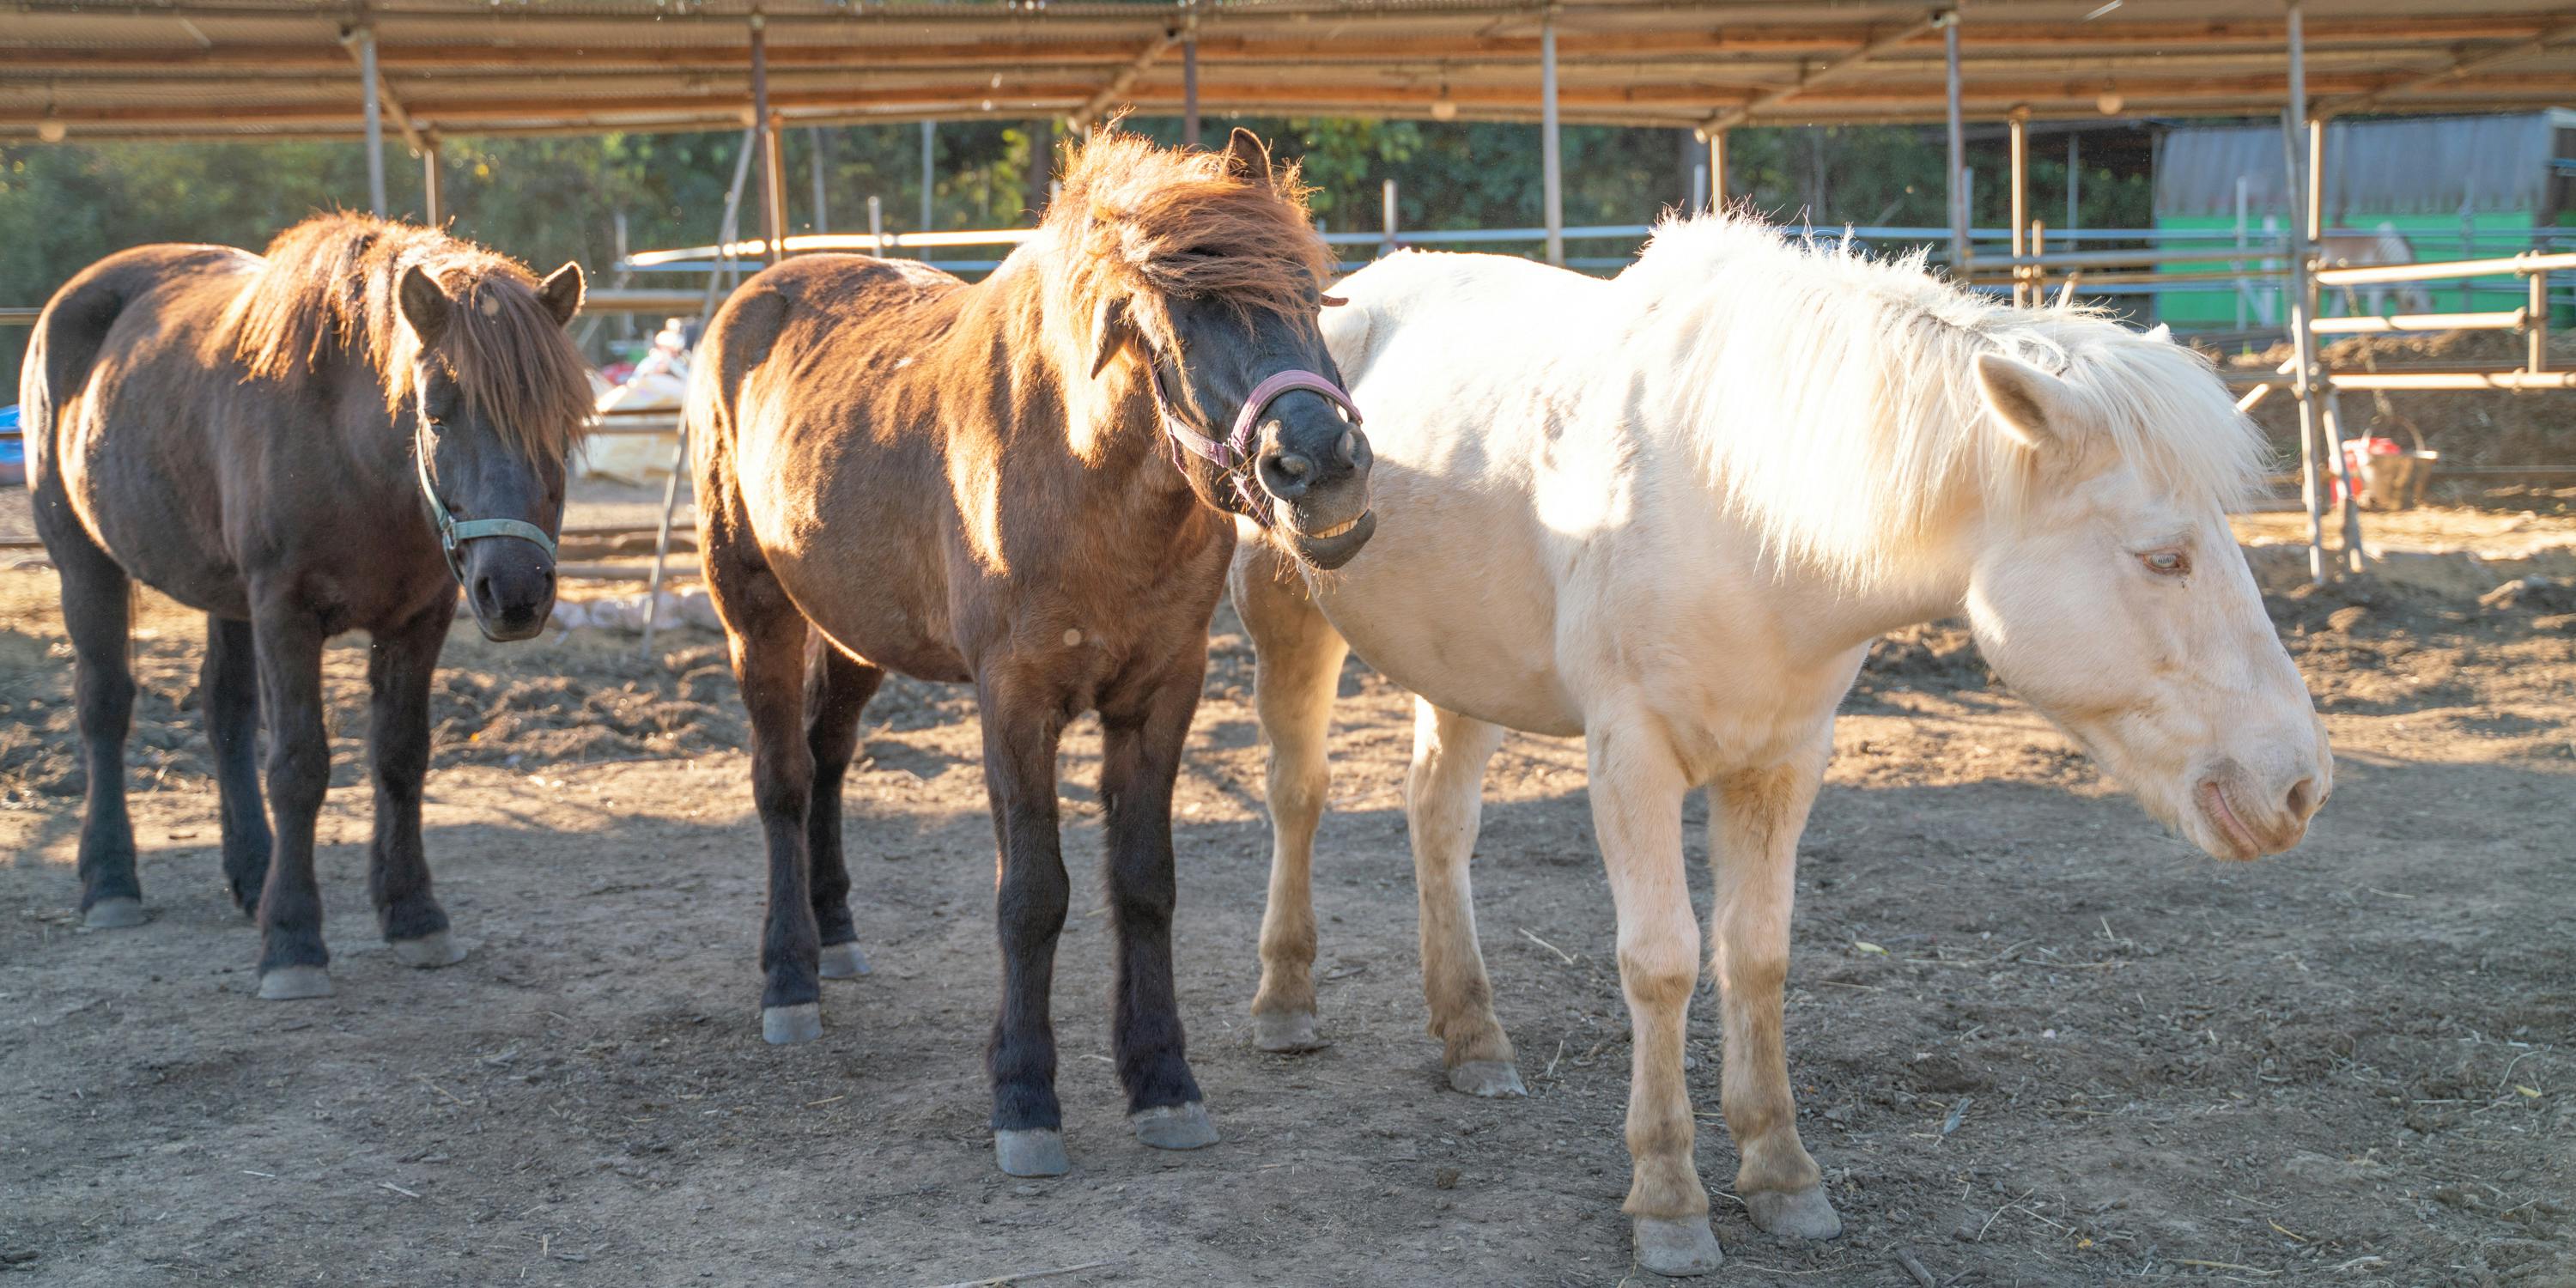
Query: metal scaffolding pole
{"x": 1551, "y": 158}
{"x": 2302, "y": 294}
{"x": 816, "y": 161}
{"x": 1958, "y": 186}
{"x": 2330, "y": 419}
{"x": 2020, "y": 128}
{"x": 930, "y": 178}
{"x": 372, "y": 112}
{"x": 433, "y": 198}
{"x": 1717, "y": 169}
{"x": 773, "y": 183}
{"x": 1190, "y": 86}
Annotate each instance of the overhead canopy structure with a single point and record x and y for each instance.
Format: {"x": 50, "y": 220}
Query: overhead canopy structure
{"x": 284, "y": 68}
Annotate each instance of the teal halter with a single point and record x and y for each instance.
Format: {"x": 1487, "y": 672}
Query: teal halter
{"x": 453, "y": 535}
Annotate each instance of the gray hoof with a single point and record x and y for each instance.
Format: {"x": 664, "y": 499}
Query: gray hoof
{"x": 114, "y": 914}
{"x": 788, "y": 1025}
{"x": 1488, "y": 1078}
{"x": 1036, "y": 1152}
{"x": 843, "y": 961}
{"x": 1285, "y": 1031}
{"x": 429, "y": 952}
{"x": 1803, "y": 1214}
{"x": 290, "y": 983}
{"x": 1677, "y": 1248}
{"x": 1174, "y": 1126}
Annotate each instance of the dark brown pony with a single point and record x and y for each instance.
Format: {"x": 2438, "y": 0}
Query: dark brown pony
{"x": 899, "y": 471}
{"x": 323, "y": 439}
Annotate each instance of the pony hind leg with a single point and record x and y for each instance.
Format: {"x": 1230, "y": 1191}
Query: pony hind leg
{"x": 837, "y": 689}
{"x": 401, "y": 666}
{"x": 228, "y": 685}
{"x": 1297, "y": 664}
{"x": 1637, "y": 789}
{"x": 1755, "y": 819}
{"x": 767, "y": 634}
{"x": 1443, "y": 804}
{"x": 98, "y": 614}
{"x": 1140, "y": 759}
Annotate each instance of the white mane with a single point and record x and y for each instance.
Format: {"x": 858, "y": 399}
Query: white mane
{"x": 1834, "y": 396}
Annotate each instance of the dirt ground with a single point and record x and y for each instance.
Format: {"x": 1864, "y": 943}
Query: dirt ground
{"x": 2036, "y": 1040}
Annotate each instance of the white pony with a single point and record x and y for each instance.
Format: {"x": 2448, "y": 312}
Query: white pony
{"x": 1668, "y": 513}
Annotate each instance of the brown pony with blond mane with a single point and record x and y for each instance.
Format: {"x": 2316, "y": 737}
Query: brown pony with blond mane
{"x": 327, "y": 438}
{"x": 900, "y": 471}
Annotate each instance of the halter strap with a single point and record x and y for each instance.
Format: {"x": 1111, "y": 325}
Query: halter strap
{"x": 1234, "y": 455}
{"x": 453, "y": 535}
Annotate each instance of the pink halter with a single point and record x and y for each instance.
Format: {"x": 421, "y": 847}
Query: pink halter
{"x": 1234, "y": 455}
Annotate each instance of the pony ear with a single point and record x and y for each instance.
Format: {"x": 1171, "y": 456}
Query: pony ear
{"x": 2033, "y": 408}
{"x": 1246, "y": 159}
{"x": 562, "y": 293}
{"x": 1110, "y": 331}
{"x": 2160, "y": 333}
{"x": 423, "y": 305}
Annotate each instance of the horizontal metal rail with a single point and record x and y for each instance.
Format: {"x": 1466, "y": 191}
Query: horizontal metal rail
{"x": 2436, "y": 270}
{"x": 2367, "y": 324}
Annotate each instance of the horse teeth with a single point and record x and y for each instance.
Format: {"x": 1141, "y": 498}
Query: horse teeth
{"x": 1332, "y": 532}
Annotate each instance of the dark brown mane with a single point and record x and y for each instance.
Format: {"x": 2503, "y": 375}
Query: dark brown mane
{"x": 1140, "y": 221}
{"x": 327, "y": 288}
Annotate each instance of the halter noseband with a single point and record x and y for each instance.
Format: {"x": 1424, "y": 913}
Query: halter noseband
{"x": 1234, "y": 456}
{"x": 453, "y": 535}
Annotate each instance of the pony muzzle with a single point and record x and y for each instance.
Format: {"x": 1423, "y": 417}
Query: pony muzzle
{"x": 2240, "y": 814}
{"x": 509, "y": 587}
{"x": 1313, "y": 469}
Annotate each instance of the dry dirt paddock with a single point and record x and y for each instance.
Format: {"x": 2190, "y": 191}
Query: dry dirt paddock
{"x": 2036, "y": 1041}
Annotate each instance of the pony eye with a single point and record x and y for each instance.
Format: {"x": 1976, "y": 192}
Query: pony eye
{"x": 2166, "y": 563}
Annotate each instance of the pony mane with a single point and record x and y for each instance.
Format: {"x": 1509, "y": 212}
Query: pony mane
{"x": 327, "y": 288}
{"x": 1137, "y": 220}
{"x": 1834, "y": 396}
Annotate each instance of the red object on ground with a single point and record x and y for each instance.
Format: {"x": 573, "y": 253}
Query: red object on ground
{"x": 2354, "y": 450}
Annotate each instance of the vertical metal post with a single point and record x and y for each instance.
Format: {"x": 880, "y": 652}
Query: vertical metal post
{"x": 929, "y": 179}
{"x": 1190, "y": 86}
{"x": 876, "y": 226}
{"x": 2074, "y": 182}
{"x": 433, "y": 200}
{"x": 1717, "y": 169}
{"x": 2244, "y": 288}
{"x": 2297, "y": 302}
{"x": 1387, "y": 213}
{"x": 372, "y": 112}
{"x": 764, "y": 138}
{"x": 1699, "y": 188}
{"x": 2535, "y": 322}
{"x": 2330, "y": 413}
{"x": 1551, "y": 158}
{"x": 822, "y": 211}
{"x": 2019, "y": 127}
{"x": 1957, "y": 187}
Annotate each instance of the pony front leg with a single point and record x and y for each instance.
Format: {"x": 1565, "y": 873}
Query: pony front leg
{"x": 1637, "y": 789}
{"x": 1297, "y": 662}
{"x": 293, "y": 963}
{"x": 400, "y": 667}
{"x": 1140, "y": 759}
{"x": 1755, "y": 819}
{"x": 1022, "y": 726}
{"x": 1443, "y": 804}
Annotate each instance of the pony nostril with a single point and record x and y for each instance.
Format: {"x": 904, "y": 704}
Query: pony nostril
{"x": 1293, "y": 465}
{"x": 1346, "y": 447}
{"x": 2303, "y": 799}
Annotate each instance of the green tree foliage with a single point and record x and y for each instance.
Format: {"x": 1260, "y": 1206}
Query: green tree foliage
{"x": 548, "y": 200}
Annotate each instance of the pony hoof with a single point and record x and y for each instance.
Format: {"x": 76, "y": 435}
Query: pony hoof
{"x": 429, "y": 952}
{"x": 114, "y": 914}
{"x": 290, "y": 983}
{"x": 843, "y": 961}
{"x": 788, "y": 1025}
{"x": 1798, "y": 1214}
{"x": 1490, "y": 1078}
{"x": 1677, "y": 1248}
{"x": 1174, "y": 1126}
{"x": 1285, "y": 1031}
{"x": 1035, "y": 1152}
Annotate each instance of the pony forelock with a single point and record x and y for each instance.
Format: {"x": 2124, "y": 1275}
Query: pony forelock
{"x": 328, "y": 287}
{"x": 1834, "y": 395}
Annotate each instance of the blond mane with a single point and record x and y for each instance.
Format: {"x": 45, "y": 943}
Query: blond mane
{"x": 326, "y": 288}
{"x": 1139, "y": 221}
{"x": 1834, "y": 396}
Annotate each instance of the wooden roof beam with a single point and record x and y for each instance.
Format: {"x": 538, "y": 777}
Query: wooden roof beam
{"x": 2462, "y": 64}
{"x": 1092, "y": 107}
{"x": 1738, "y": 115}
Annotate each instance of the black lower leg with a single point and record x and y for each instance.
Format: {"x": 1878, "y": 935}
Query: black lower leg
{"x": 1029, "y": 903}
{"x": 1140, "y": 758}
{"x": 289, "y": 646}
{"x": 837, "y": 689}
{"x": 228, "y": 685}
{"x": 96, "y": 613}
{"x": 401, "y": 665}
